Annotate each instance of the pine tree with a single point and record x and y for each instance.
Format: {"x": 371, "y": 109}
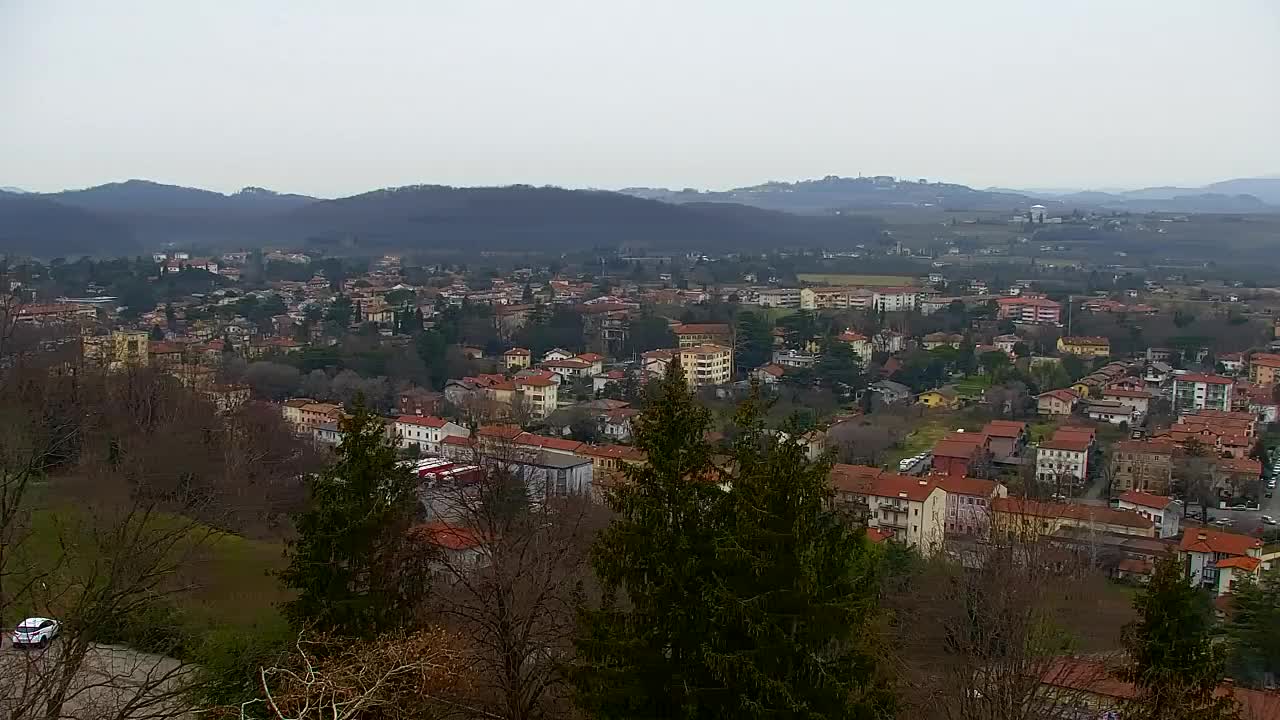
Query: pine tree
{"x": 354, "y": 565}
{"x": 1173, "y": 663}
{"x": 794, "y": 590}
{"x": 1254, "y": 630}
{"x": 643, "y": 659}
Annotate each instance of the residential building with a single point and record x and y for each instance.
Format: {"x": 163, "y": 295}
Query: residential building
{"x": 1264, "y": 368}
{"x": 1161, "y": 510}
{"x": 1216, "y": 560}
{"x": 896, "y": 299}
{"x": 889, "y": 391}
{"x": 1084, "y": 346}
{"x": 1006, "y": 438}
{"x": 1059, "y": 402}
{"x": 291, "y": 411}
{"x": 704, "y": 334}
{"x": 1138, "y": 400}
{"x": 318, "y": 413}
{"x": 961, "y": 454}
{"x": 1030, "y": 309}
{"x": 860, "y": 344}
{"x": 769, "y": 374}
{"x": 1112, "y": 412}
{"x": 1141, "y": 465}
{"x": 426, "y": 432}
{"x": 557, "y": 354}
{"x": 604, "y": 379}
{"x": 117, "y": 351}
{"x": 539, "y": 393}
{"x": 707, "y": 365}
{"x": 779, "y": 297}
{"x": 913, "y": 509}
{"x": 969, "y": 504}
{"x": 797, "y": 359}
{"x": 1005, "y": 343}
{"x": 549, "y": 474}
{"x": 943, "y": 397}
{"x": 941, "y": 339}
{"x": 569, "y": 368}
{"x": 517, "y": 358}
{"x": 1063, "y": 461}
{"x": 1193, "y": 391}
{"x": 1019, "y": 517}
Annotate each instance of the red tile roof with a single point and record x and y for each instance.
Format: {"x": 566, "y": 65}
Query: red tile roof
{"x": 1094, "y": 677}
{"x": 1148, "y": 500}
{"x": 422, "y": 421}
{"x": 1200, "y": 378}
{"x": 451, "y": 537}
{"x": 1004, "y": 428}
{"x": 1089, "y": 513}
{"x": 1069, "y": 442}
{"x": 1265, "y": 360}
{"x": 968, "y": 486}
{"x": 876, "y": 535}
{"x": 1208, "y": 540}
{"x": 702, "y": 329}
{"x": 590, "y": 357}
{"x": 534, "y": 381}
{"x": 910, "y": 487}
{"x": 1239, "y": 562}
{"x": 518, "y": 351}
{"x": 955, "y": 449}
{"x": 853, "y": 478}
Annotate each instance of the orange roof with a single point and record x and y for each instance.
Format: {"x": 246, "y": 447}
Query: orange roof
{"x": 1063, "y": 394}
{"x": 506, "y": 432}
{"x": 1004, "y": 428}
{"x": 1208, "y": 540}
{"x": 1200, "y": 378}
{"x": 1149, "y": 500}
{"x": 570, "y": 363}
{"x": 451, "y": 537}
{"x": 1085, "y": 340}
{"x": 534, "y": 381}
{"x": 590, "y": 357}
{"x": 876, "y": 535}
{"x": 1265, "y": 360}
{"x": 422, "y": 421}
{"x": 1240, "y": 465}
{"x": 1033, "y": 301}
{"x": 457, "y": 440}
{"x": 1125, "y": 393}
{"x": 912, "y": 488}
{"x": 1089, "y": 513}
{"x": 954, "y": 449}
{"x": 968, "y": 486}
{"x": 1239, "y": 562}
{"x": 518, "y": 351}
{"x": 853, "y": 478}
{"x": 850, "y": 336}
{"x": 620, "y": 452}
{"x": 1094, "y": 677}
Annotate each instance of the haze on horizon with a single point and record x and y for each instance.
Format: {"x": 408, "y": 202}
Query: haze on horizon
{"x": 312, "y": 97}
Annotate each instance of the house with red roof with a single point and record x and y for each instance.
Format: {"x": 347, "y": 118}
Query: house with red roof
{"x": 1058, "y": 402}
{"x": 1161, "y": 510}
{"x": 426, "y": 432}
{"x": 912, "y": 508}
{"x": 1006, "y": 438}
{"x": 969, "y": 504}
{"x": 1193, "y": 391}
{"x": 1216, "y": 560}
{"x": 768, "y": 374}
{"x": 1020, "y": 516}
{"x": 960, "y": 453}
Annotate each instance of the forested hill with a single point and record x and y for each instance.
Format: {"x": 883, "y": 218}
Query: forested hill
{"x": 125, "y": 218}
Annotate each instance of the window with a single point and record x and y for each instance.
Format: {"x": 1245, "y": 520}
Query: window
{"x": 917, "y": 512}
{"x": 915, "y": 528}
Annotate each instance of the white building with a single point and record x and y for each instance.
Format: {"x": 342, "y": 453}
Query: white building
{"x": 1165, "y": 514}
{"x": 779, "y": 297}
{"x": 1062, "y": 460}
{"x": 1216, "y": 560}
{"x": 896, "y": 299}
{"x": 913, "y": 509}
{"x": 969, "y": 504}
{"x": 541, "y": 394}
{"x": 1192, "y": 391}
{"x": 426, "y": 432}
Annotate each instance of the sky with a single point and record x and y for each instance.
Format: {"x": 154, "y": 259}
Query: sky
{"x": 333, "y": 98}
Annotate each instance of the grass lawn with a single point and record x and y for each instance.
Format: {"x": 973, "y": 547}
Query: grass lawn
{"x": 231, "y": 578}
{"x": 851, "y": 279}
{"x": 920, "y": 439}
{"x": 1043, "y": 430}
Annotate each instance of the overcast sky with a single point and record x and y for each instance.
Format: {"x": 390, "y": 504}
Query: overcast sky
{"x": 333, "y": 98}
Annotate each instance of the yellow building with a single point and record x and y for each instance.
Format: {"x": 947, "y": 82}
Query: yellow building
{"x": 1085, "y": 346}
{"x": 706, "y": 365}
{"x": 943, "y": 397}
{"x": 516, "y": 358}
{"x": 117, "y": 351}
{"x": 1019, "y": 517}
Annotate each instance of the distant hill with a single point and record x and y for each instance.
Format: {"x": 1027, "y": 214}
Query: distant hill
{"x": 12, "y": 190}
{"x": 33, "y": 225}
{"x": 1265, "y": 189}
{"x": 833, "y": 193}
{"x": 127, "y": 217}
{"x": 529, "y": 218}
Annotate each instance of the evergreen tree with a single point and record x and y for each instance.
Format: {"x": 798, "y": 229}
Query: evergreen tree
{"x": 794, "y": 591}
{"x": 754, "y": 342}
{"x": 839, "y": 368}
{"x": 1173, "y": 663}
{"x": 1254, "y": 630}
{"x": 644, "y": 659}
{"x": 353, "y": 564}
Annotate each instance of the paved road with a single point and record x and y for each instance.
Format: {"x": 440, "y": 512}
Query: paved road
{"x": 114, "y": 683}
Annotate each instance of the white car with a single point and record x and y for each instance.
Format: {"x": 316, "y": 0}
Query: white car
{"x": 35, "y": 632}
{"x": 1267, "y": 519}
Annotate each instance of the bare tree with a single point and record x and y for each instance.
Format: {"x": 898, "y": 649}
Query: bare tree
{"x": 983, "y": 633}
{"x": 513, "y": 586}
{"x": 398, "y": 676}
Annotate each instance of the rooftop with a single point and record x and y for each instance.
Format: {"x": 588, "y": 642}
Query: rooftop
{"x": 1208, "y": 540}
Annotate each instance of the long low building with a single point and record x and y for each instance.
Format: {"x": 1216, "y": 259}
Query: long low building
{"x": 1021, "y": 517}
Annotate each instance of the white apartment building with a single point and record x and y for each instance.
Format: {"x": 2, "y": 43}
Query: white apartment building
{"x": 913, "y": 509}
{"x": 426, "y": 432}
{"x": 541, "y": 394}
{"x": 1192, "y": 391}
{"x": 706, "y": 365}
{"x": 1165, "y": 514}
{"x": 1062, "y": 460}
{"x": 779, "y": 297}
{"x": 896, "y": 299}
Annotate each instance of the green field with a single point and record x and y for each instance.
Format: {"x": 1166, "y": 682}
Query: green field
{"x": 851, "y": 279}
